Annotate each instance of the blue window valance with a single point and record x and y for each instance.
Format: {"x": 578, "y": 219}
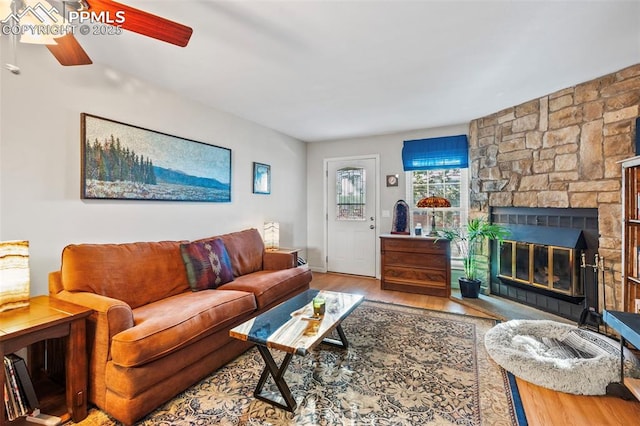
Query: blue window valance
{"x": 448, "y": 152}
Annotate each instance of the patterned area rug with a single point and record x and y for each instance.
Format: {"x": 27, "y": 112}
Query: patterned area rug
{"x": 404, "y": 366}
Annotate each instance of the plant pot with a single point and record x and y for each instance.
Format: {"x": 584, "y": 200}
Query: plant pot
{"x": 469, "y": 288}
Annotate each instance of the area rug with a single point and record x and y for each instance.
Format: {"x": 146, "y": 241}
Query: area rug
{"x": 404, "y": 366}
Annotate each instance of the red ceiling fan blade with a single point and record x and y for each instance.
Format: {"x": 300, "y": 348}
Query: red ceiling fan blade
{"x": 142, "y": 22}
{"x": 68, "y": 51}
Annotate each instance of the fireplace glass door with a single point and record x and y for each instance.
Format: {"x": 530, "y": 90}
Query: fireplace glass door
{"x": 506, "y": 262}
{"x": 549, "y": 267}
{"x": 523, "y": 271}
{"x": 563, "y": 272}
{"x": 541, "y": 265}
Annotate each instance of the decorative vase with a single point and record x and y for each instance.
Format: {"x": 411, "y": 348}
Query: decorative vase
{"x": 469, "y": 288}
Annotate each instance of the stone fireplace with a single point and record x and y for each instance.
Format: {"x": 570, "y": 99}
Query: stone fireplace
{"x": 561, "y": 151}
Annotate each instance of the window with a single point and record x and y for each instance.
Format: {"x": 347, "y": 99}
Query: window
{"x": 451, "y": 184}
{"x": 350, "y": 193}
{"x": 438, "y": 167}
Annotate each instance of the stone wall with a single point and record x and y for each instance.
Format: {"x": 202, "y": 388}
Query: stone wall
{"x": 562, "y": 150}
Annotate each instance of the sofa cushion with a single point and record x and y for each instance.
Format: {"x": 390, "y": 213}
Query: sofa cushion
{"x": 207, "y": 264}
{"x": 169, "y": 324}
{"x": 245, "y": 250}
{"x": 271, "y": 286}
{"x": 136, "y": 273}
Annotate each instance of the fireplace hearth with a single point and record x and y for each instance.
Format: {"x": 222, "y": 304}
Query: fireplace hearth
{"x": 539, "y": 262}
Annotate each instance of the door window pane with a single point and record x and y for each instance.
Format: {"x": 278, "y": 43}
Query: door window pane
{"x": 350, "y": 193}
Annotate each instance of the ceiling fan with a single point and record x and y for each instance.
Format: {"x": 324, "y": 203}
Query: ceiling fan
{"x": 68, "y": 51}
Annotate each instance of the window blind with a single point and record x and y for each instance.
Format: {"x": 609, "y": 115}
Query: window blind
{"x": 446, "y": 152}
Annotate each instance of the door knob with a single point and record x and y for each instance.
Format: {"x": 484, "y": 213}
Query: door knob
{"x": 372, "y": 227}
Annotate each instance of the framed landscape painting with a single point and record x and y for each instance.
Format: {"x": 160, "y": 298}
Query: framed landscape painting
{"x": 125, "y": 162}
{"x": 261, "y": 178}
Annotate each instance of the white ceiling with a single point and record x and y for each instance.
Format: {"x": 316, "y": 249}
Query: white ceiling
{"x": 322, "y": 70}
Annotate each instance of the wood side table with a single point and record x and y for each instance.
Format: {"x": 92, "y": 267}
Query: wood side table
{"x": 292, "y": 251}
{"x": 50, "y": 318}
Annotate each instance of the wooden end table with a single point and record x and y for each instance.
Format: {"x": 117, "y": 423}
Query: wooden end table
{"x": 50, "y": 318}
{"x": 291, "y": 251}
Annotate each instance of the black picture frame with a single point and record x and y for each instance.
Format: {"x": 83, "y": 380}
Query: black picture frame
{"x": 125, "y": 162}
{"x": 261, "y": 178}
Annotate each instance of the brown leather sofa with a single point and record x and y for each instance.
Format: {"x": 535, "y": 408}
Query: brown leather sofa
{"x": 150, "y": 336}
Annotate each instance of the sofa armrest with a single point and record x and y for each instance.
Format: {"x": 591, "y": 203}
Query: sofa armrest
{"x": 275, "y": 261}
{"x": 111, "y": 316}
{"x": 55, "y": 283}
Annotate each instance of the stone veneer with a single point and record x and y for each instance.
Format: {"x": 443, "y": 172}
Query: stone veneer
{"x": 562, "y": 150}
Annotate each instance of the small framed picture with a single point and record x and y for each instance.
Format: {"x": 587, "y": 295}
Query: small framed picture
{"x": 637, "y": 307}
{"x": 261, "y": 178}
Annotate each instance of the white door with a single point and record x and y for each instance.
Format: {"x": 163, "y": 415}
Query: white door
{"x": 351, "y": 219}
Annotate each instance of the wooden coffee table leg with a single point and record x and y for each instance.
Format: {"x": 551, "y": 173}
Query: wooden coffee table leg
{"x": 272, "y": 369}
{"x": 342, "y": 343}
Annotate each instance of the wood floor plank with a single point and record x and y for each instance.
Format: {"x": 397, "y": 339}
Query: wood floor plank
{"x": 543, "y": 407}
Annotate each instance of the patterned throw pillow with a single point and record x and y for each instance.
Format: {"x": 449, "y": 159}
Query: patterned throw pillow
{"x": 207, "y": 263}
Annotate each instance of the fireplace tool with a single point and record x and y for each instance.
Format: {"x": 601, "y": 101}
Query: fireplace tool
{"x": 591, "y": 316}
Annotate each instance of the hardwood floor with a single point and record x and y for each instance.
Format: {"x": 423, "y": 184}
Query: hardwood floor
{"x": 543, "y": 407}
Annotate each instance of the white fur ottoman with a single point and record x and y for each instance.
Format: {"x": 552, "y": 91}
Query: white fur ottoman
{"x": 559, "y": 356}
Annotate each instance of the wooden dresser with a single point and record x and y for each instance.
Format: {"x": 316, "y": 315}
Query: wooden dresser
{"x": 415, "y": 264}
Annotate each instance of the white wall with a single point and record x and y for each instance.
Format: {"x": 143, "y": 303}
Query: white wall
{"x": 40, "y": 163}
{"x": 389, "y": 148}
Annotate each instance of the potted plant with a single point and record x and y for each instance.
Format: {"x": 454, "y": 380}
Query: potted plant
{"x": 469, "y": 240}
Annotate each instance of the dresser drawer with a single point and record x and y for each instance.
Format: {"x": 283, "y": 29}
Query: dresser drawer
{"x": 416, "y": 260}
{"x": 422, "y": 277}
{"x": 415, "y": 245}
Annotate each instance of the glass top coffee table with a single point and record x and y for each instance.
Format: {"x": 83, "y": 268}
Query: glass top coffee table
{"x": 292, "y": 328}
